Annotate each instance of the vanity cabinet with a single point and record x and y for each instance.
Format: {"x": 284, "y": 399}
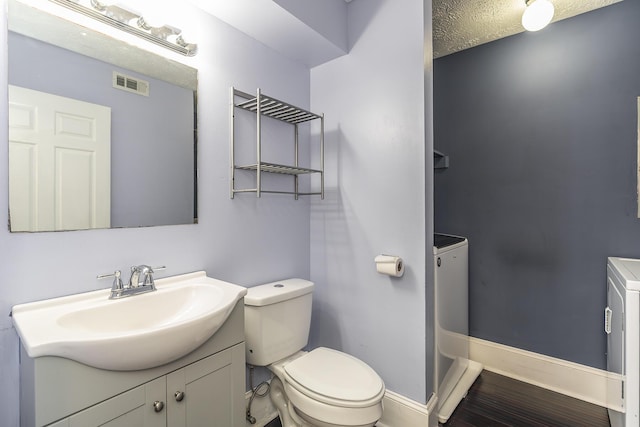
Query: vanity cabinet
{"x": 201, "y": 391}
{"x": 203, "y": 388}
{"x": 197, "y": 395}
{"x": 131, "y": 408}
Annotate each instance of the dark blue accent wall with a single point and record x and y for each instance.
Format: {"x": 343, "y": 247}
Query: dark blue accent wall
{"x": 541, "y": 130}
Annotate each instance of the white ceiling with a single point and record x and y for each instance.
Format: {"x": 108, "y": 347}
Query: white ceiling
{"x": 457, "y": 24}
{"x": 462, "y": 24}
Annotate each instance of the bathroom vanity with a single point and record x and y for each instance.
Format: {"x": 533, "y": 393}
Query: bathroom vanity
{"x": 206, "y": 384}
{"x": 171, "y": 356}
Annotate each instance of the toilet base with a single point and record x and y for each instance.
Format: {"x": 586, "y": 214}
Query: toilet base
{"x": 289, "y": 417}
{"x": 283, "y": 405}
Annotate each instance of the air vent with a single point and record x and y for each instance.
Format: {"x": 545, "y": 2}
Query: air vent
{"x": 130, "y": 84}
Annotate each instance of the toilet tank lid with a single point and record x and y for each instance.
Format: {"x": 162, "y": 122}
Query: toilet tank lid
{"x": 271, "y": 293}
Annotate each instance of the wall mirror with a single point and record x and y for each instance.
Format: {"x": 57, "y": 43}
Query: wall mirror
{"x": 102, "y": 134}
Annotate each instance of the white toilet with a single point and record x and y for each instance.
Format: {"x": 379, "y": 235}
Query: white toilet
{"x": 320, "y": 388}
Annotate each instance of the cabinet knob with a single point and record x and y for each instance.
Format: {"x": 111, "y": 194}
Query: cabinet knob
{"x": 179, "y": 395}
{"x": 158, "y": 406}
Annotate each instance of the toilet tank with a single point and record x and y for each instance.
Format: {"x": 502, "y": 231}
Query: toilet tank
{"x": 277, "y": 317}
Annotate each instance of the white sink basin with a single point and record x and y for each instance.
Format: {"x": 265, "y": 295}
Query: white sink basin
{"x": 133, "y": 333}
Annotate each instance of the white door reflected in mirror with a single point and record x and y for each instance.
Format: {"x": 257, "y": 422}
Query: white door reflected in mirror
{"x": 47, "y": 132}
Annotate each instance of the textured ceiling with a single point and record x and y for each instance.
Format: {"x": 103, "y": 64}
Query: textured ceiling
{"x": 462, "y": 24}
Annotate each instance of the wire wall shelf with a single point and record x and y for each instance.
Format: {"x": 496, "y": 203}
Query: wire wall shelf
{"x": 267, "y": 106}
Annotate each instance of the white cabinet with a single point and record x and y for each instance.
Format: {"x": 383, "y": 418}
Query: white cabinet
{"x": 201, "y": 394}
{"x": 204, "y": 388}
{"x": 131, "y": 408}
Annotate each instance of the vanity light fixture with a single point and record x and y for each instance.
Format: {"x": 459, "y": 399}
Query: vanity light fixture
{"x": 537, "y": 15}
{"x": 133, "y": 23}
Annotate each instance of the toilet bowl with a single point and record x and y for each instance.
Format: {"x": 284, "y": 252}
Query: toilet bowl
{"x": 319, "y": 388}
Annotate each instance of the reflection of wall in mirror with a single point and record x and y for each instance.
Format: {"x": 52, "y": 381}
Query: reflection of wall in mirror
{"x": 152, "y": 180}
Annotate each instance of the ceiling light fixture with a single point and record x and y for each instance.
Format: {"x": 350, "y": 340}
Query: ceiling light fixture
{"x": 537, "y": 15}
{"x": 133, "y": 23}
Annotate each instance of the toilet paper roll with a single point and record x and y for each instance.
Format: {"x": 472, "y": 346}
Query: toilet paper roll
{"x": 390, "y": 265}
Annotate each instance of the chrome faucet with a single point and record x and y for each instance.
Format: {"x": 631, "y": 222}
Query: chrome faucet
{"x": 141, "y": 281}
{"x": 140, "y": 270}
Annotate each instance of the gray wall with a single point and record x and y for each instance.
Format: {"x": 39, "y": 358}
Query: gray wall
{"x": 374, "y": 104}
{"x": 541, "y": 130}
{"x": 143, "y": 192}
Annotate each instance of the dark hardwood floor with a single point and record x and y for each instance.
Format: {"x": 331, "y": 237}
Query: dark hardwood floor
{"x": 274, "y": 423}
{"x": 497, "y": 401}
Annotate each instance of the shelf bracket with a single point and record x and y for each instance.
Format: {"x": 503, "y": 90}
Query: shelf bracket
{"x": 440, "y": 161}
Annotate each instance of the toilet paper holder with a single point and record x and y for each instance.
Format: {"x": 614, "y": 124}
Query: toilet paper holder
{"x": 391, "y": 265}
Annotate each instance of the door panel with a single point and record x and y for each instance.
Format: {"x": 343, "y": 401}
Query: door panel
{"x": 133, "y": 408}
{"x": 208, "y": 387}
{"x": 59, "y": 177}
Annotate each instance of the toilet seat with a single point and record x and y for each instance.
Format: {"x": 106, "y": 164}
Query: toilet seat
{"x": 335, "y": 378}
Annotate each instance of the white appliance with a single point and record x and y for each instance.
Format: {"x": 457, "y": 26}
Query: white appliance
{"x": 454, "y": 372}
{"x": 622, "y": 323}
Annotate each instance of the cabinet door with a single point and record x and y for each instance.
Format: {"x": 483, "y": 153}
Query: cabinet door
{"x": 134, "y": 408}
{"x": 208, "y": 393}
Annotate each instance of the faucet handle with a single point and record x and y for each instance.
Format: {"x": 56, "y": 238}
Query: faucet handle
{"x": 117, "y": 281}
{"x": 148, "y": 274}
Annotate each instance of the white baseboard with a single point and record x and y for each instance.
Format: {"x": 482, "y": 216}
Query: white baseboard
{"x": 400, "y": 411}
{"x": 572, "y": 379}
{"x": 450, "y": 398}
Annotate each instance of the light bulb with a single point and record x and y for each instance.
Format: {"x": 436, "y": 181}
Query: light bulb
{"x": 153, "y": 19}
{"x": 537, "y": 15}
{"x": 154, "y": 13}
